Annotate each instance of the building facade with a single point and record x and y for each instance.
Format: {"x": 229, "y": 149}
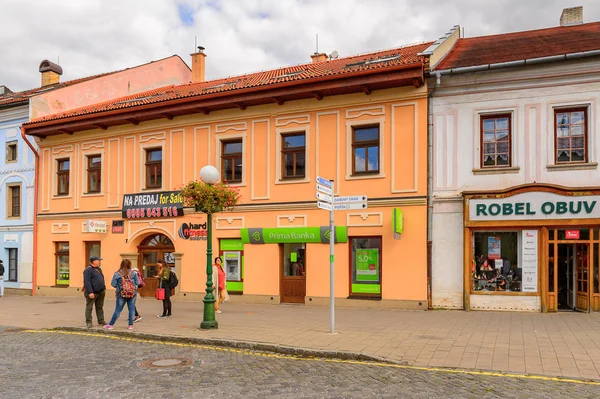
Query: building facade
{"x": 516, "y": 212}
{"x": 16, "y": 200}
{"x": 360, "y": 121}
{"x": 17, "y": 170}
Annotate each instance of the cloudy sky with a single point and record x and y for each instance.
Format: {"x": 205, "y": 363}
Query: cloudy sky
{"x": 93, "y": 36}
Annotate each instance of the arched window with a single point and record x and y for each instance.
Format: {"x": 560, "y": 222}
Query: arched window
{"x": 157, "y": 241}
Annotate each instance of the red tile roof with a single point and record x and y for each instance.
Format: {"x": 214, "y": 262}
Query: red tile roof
{"x": 484, "y": 50}
{"x": 404, "y": 57}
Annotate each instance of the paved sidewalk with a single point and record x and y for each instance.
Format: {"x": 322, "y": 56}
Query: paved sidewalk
{"x": 561, "y": 344}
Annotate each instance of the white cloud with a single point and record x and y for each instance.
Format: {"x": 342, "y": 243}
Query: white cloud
{"x": 96, "y": 36}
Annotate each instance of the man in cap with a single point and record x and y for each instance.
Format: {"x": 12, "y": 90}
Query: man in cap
{"x": 94, "y": 291}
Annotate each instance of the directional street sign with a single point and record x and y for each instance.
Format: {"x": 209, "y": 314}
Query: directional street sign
{"x": 324, "y": 189}
{"x": 324, "y": 205}
{"x": 350, "y": 198}
{"x": 323, "y": 197}
{"x": 324, "y": 182}
{"x": 353, "y": 205}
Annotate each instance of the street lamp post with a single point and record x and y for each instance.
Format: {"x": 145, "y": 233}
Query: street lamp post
{"x": 209, "y": 175}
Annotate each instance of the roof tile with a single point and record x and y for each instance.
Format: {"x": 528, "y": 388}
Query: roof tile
{"x": 493, "y": 49}
{"x": 404, "y": 56}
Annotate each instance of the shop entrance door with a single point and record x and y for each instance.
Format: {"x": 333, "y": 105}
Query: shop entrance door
{"x": 293, "y": 272}
{"x": 572, "y": 273}
{"x": 153, "y": 248}
{"x": 582, "y": 297}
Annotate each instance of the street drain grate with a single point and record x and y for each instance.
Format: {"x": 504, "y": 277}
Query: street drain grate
{"x": 166, "y": 363}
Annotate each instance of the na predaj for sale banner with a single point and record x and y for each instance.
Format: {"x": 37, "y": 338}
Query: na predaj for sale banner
{"x": 367, "y": 265}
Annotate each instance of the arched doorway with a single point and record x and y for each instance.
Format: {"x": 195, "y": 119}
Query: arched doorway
{"x": 153, "y": 248}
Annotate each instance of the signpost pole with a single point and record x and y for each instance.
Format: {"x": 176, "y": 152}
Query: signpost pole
{"x": 331, "y": 268}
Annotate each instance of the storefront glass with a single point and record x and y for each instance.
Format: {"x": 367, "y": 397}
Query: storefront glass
{"x": 294, "y": 263}
{"x": 596, "y": 265}
{"x": 62, "y": 263}
{"x": 366, "y": 266}
{"x": 503, "y": 262}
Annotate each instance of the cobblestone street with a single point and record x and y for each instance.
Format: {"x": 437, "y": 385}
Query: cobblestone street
{"x": 42, "y": 364}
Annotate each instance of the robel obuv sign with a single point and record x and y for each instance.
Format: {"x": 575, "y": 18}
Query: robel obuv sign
{"x": 534, "y": 206}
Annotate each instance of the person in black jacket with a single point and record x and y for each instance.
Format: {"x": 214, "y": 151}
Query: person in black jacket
{"x": 95, "y": 290}
{"x": 1, "y": 278}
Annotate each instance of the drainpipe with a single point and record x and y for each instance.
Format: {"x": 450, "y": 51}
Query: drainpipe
{"x": 35, "y": 205}
{"x": 430, "y": 190}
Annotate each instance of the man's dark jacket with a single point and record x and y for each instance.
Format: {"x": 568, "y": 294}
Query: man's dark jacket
{"x": 93, "y": 280}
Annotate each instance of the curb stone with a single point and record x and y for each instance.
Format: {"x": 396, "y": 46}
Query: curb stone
{"x": 245, "y": 345}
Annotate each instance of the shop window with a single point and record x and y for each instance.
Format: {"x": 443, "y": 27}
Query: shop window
{"x": 570, "y": 132}
{"x": 365, "y": 150}
{"x": 94, "y": 173}
{"x": 13, "y": 201}
{"x": 11, "y": 151}
{"x": 92, "y": 248}
{"x": 365, "y": 267}
{"x": 293, "y": 155}
{"x": 551, "y": 267}
{"x": 13, "y": 264}
{"x": 500, "y": 264}
{"x": 232, "y": 161}
{"x": 154, "y": 158}
{"x": 294, "y": 259}
{"x": 495, "y": 141}
{"x": 62, "y": 263}
{"x": 63, "y": 176}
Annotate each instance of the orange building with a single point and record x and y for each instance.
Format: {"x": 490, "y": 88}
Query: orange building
{"x": 109, "y": 175}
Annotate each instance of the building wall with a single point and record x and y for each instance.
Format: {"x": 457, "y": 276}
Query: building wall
{"x": 165, "y": 72}
{"x": 16, "y": 233}
{"x": 530, "y": 95}
{"x": 191, "y": 142}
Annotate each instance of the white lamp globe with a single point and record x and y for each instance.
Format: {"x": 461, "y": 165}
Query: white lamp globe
{"x": 209, "y": 174}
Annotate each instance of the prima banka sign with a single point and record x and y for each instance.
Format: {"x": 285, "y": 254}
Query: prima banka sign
{"x": 535, "y": 206}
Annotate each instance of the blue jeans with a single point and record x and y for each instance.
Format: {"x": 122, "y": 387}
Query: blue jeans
{"x": 119, "y": 308}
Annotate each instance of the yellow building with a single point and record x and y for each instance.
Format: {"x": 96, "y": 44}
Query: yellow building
{"x": 109, "y": 176}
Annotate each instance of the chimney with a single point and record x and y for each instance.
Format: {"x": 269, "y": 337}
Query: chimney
{"x": 318, "y": 57}
{"x": 50, "y": 73}
{"x": 198, "y": 62}
{"x": 572, "y": 16}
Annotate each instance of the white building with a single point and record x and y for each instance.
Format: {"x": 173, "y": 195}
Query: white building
{"x": 516, "y": 183}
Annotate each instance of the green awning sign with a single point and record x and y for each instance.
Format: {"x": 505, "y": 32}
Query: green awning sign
{"x": 320, "y": 234}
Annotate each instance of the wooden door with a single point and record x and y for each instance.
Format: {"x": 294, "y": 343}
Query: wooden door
{"x": 293, "y": 273}
{"x": 582, "y": 301}
{"x": 152, "y": 248}
{"x": 552, "y": 276}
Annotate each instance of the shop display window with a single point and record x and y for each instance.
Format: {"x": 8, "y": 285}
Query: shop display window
{"x": 497, "y": 263}
{"x": 365, "y": 266}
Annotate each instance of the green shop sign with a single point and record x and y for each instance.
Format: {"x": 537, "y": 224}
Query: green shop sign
{"x": 284, "y": 235}
{"x": 535, "y": 206}
{"x": 226, "y": 244}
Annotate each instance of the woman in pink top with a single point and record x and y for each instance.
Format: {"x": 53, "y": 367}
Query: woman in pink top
{"x": 220, "y": 286}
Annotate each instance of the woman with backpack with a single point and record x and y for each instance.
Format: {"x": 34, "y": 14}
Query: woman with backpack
{"x": 164, "y": 281}
{"x": 125, "y": 282}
